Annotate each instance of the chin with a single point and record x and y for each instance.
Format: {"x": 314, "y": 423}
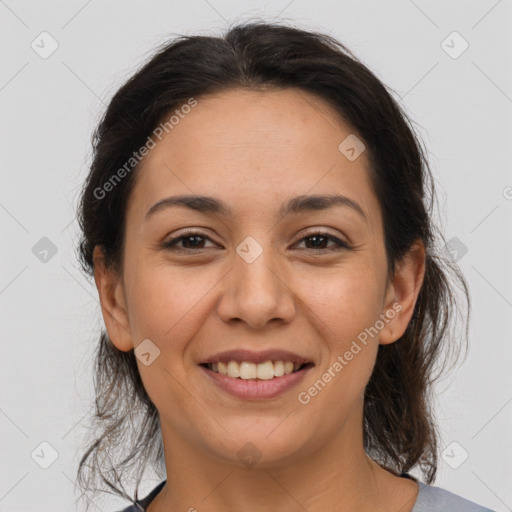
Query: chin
{"x": 263, "y": 448}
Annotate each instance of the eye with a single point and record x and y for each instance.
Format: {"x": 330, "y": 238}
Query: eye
{"x": 193, "y": 239}
{"x": 320, "y": 239}
{"x": 190, "y": 240}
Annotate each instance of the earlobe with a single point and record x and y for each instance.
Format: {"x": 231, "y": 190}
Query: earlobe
{"x": 113, "y": 307}
{"x": 402, "y": 293}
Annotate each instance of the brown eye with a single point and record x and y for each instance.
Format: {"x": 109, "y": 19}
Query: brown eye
{"x": 189, "y": 241}
{"x": 318, "y": 242}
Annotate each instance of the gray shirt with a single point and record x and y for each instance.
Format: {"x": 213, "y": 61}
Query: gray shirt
{"x": 430, "y": 499}
{"x": 435, "y": 499}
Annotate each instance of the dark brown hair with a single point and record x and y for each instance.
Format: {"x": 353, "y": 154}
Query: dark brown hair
{"x": 399, "y": 428}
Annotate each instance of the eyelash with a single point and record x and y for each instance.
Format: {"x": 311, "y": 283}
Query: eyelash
{"x": 171, "y": 244}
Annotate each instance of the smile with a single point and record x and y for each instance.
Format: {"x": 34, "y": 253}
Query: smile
{"x": 255, "y": 381}
{"x": 263, "y": 371}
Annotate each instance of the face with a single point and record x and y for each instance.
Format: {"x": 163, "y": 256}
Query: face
{"x": 310, "y": 280}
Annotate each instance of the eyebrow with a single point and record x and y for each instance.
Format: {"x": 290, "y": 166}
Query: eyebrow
{"x": 295, "y": 205}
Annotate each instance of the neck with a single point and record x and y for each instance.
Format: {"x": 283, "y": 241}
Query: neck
{"x": 336, "y": 476}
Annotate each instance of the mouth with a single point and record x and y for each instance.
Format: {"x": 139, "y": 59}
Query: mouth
{"x": 256, "y": 375}
{"x": 246, "y": 370}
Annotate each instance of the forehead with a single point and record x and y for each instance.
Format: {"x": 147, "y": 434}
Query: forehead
{"x": 260, "y": 123}
{"x": 243, "y": 145}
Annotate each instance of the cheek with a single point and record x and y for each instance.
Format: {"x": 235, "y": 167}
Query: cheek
{"x": 348, "y": 306}
{"x": 346, "y": 302}
{"x": 165, "y": 307}
{"x": 165, "y": 303}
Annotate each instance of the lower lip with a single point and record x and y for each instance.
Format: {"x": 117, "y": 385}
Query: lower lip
{"x": 253, "y": 389}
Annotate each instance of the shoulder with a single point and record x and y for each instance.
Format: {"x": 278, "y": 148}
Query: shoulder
{"x": 432, "y": 499}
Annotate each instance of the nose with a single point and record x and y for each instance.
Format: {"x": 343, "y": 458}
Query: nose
{"x": 256, "y": 293}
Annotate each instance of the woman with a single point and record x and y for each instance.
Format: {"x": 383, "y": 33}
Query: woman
{"x": 258, "y": 222}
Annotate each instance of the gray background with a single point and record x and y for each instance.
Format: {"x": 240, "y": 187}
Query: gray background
{"x": 50, "y": 313}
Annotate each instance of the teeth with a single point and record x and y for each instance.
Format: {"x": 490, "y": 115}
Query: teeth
{"x": 233, "y": 369}
{"x": 263, "y": 371}
{"x": 247, "y": 370}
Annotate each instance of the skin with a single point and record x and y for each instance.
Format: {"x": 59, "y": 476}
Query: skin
{"x": 255, "y": 150}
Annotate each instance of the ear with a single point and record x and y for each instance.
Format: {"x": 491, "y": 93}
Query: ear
{"x": 112, "y": 300}
{"x": 402, "y": 293}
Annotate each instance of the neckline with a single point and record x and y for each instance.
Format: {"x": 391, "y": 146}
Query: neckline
{"x": 152, "y": 495}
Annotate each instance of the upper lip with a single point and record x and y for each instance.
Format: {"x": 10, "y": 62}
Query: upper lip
{"x": 250, "y": 356}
